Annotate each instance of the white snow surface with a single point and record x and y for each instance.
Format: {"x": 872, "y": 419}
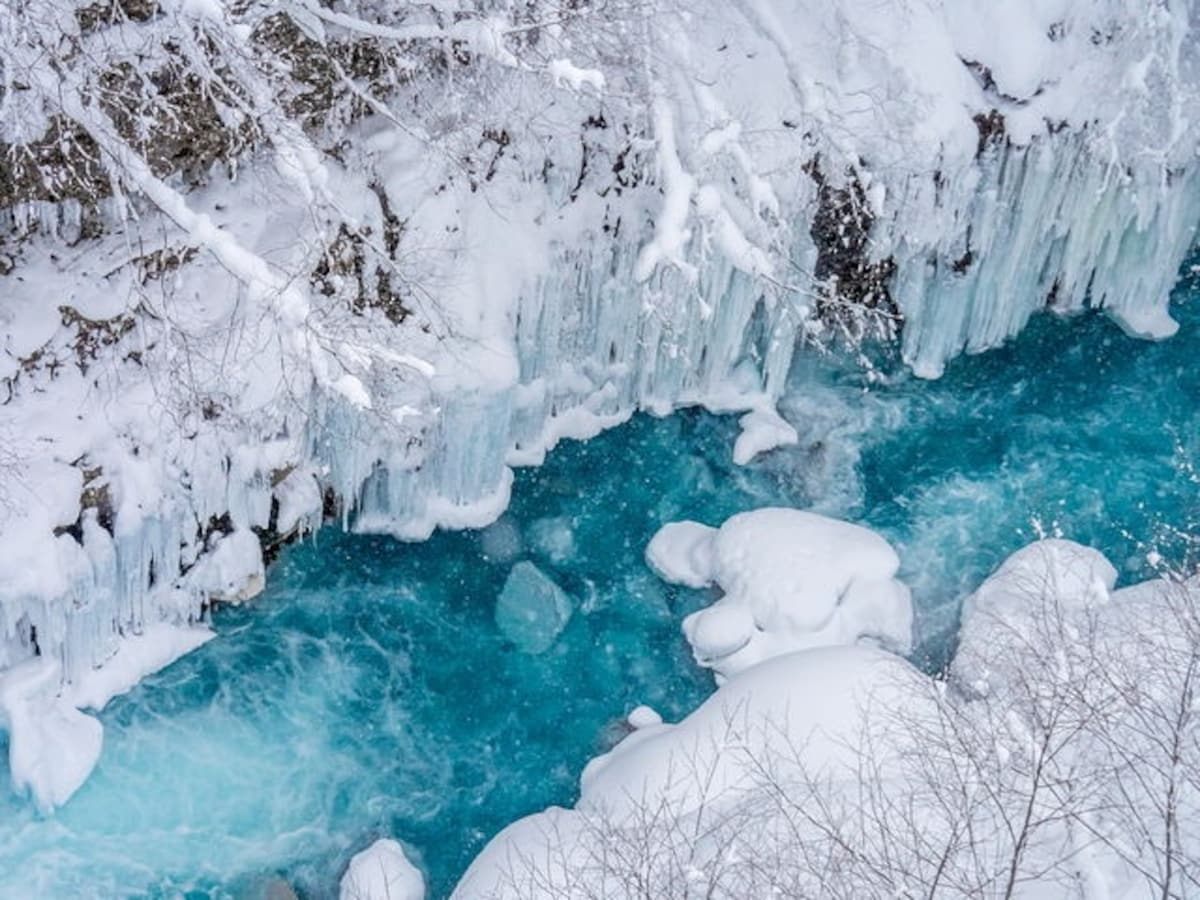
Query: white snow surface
{"x": 140, "y": 655}
{"x": 564, "y": 73}
{"x": 1007, "y": 617}
{"x": 790, "y": 579}
{"x": 808, "y": 702}
{"x": 762, "y": 430}
{"x": 382, "y": 872}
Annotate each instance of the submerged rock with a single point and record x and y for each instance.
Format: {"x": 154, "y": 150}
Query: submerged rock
{"x": 532, "y": 609}
{"x": 278, "y": 889}
{"x": 554, "y": 538}
{"x": 500, "y": 542}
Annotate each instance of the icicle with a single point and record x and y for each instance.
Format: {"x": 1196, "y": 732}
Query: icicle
{"x": 1028, "y": 228}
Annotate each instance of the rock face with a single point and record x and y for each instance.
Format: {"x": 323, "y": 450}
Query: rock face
{"x": 532, "y": 609}
{"x": 382, "y": 872}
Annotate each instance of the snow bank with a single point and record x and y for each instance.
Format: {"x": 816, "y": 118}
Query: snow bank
{"x": 1106, "y": 678}
{"x": 382, "y": 872}
{"x": 791, "y": 580}
{"x": 538, "y": 857}
{"x": 808, "y": 708}
{"x": 139, "y": 655}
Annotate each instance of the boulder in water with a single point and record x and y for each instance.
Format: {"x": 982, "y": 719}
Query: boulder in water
{"x": 532, "y": 609}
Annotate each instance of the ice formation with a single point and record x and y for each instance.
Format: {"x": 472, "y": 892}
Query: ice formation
{"x": 53, "y": 744}
{"x": 532, "y": 610}
{"x": 790, "y": 580}
{"x": 382, "y": 872}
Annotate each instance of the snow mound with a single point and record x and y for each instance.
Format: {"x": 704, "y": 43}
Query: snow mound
{"x": 682, "y": 553}
{"x": 712, "y": 760}
{"x": 1022, "y": 608}
{"x": 805, "y": 709}
{"x": 762, "y": 430}
{"x": 791, "y": 580}
{"x": 382, "y": 872}
{"x": 232, "y": 571}
{"x": 532, "y": 610}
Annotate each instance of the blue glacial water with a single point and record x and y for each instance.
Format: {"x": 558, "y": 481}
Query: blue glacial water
{"x": 369, "y": 691}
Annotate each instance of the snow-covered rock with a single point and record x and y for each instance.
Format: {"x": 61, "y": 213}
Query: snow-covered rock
{"x": 791, "y": 580}
{"x": 809, "y": 708}
{"x": 682, "y": 553}
{"x": 1027, "y": 607}
{"x": 232, "y": 571}
{"x": 300, "y": 501}
{"x": 801, "y": 715}
{"x": 501, "y": 541}
{"x": 762, "y": 430}
{"x": 382, "y": 872}
{"x": 532, "y": 610}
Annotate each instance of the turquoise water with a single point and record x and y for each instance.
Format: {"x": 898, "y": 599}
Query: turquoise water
{"x": 370, "y": 693}
{"x": 1073, "y": 430}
